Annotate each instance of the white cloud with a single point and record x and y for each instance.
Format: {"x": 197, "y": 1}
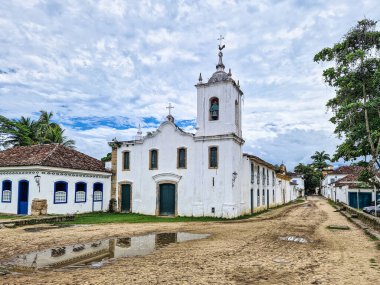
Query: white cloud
{"x": 128, "y": 59}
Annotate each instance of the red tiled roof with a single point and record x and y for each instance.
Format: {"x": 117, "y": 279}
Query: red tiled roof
{"x": 53, "y": 155}
{"x": 347, "y": 170}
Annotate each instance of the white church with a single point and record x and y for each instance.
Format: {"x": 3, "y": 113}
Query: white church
{"x": 173, "y": 172}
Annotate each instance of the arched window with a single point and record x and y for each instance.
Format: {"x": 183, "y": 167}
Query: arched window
{"x": 214, "y": 109}
{"x": 80, "y": 192}
{"x": 98, "y": 192}
{"x": 6, "y": 196}
{"x": 60, "y": 192}
{"x": 153, "y": 159}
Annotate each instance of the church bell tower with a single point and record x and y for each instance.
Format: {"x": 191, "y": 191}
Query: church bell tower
{"x": 219, "y": 103}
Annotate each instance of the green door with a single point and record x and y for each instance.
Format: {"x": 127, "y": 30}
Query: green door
{"x": 167, "y": 199}
{"x": 364, "y": 199}
{"x": 125, "y": 197}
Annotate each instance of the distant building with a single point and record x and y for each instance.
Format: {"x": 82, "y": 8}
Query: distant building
{"x": 52, "y": 179}
{"x": 343, "y": 185}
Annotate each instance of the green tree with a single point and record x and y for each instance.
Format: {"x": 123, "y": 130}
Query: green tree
{"x": 108, "y": 157}
{"x": 356, "y": 105}
{"x": 310, "y": 175}
{"x": 25, "y": 131}
{"x": 319, "y": 160}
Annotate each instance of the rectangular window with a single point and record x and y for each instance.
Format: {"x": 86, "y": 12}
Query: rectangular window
{"x": 252, "y": 173}
{"x": 60, "y": 196}
{"x": 181, "y": 157}
{"x": 258, "y": 175}
{"x": 153, "y": 159}
{"x": 126, "y": 160}
{"x": 273, "y": 198}
{"x": 263, "y": 176}
{"x": 98, "y": 195}
{"x": 80, "y": 192}
{"x": 273, "y": 178}
{"x": 267, "y": 176}
{"x": 213, "y": 157}
{"x": 263, "y": 197}
{"x": 258, "y": 197}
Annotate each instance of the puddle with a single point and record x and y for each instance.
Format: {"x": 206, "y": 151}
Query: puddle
{"x": 95, "y": 254}
{"x": 294, "y": 239}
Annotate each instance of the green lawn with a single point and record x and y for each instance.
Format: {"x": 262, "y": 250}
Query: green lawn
{"x": 102, "y": 218}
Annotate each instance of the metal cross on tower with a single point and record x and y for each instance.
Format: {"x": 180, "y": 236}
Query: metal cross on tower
{"x": 170, "y": 107}
{"x": 221, "y": 38}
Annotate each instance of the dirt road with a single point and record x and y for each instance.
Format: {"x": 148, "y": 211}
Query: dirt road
{"x": 246, "y": 252}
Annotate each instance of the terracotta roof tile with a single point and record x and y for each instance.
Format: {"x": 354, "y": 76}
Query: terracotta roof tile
{"x": 259, "y": 160}
{"x": 347, "y": 170}
{"x": 53, "y": 155}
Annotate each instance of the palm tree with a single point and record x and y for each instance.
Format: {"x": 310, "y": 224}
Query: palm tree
{"x": 18, "y": 132}
{"x": 319, "y": 162}
{"x": 54, "y": 134}
{"x": 25, "y": 131}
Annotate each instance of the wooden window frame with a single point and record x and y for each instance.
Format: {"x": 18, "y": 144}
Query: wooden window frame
{"x": 209, "y": 157}
{"x": 123, "y": 160}
{"x": 77, "y": 190}
{"x": 150, "y": 159}
{"x": 178, "y": 151}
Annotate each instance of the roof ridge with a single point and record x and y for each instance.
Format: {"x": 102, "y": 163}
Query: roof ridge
{"x": 51, "y": 152}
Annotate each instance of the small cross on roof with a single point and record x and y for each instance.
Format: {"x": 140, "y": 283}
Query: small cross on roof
{"x": 170, "y": 107}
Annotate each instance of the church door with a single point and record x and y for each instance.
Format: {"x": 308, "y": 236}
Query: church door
{"x": 126, "y": 198}
{"x": 167, "y": 199}
{"x": 23, "y": 195}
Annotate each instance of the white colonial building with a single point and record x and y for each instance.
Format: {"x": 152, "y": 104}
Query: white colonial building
{"x": 343, "y": 185}
{"x": 52, "y": 179}
{"x": 172, "y": 172}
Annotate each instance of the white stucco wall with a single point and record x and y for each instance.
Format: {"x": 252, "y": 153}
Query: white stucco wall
{"x": 49, "y": 176}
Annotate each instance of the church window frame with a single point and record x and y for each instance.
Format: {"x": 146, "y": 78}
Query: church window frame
{"x": 126, "y": 160}
{"x": 60, "y": 192}
{"x": 153, "y": 159}
{"x": 213, "y": 157}
{"x": 6, "y": 192}
{"x": 81, "y": 192}
{"x": 182, "y": 161}
{"x": 214, "y": 111}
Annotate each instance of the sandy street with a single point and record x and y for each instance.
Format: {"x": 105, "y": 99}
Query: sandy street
{"x": 245, "y": 252}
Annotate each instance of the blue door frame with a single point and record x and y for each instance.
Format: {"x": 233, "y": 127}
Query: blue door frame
{"x": 23, "y": 197}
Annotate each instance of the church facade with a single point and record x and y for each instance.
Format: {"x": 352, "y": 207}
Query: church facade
{"x": 172, "y": 172}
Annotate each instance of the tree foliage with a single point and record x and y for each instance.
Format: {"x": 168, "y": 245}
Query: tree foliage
{"x": 355, "y": 76}
{"x": 310, "y": 175}
{"x": 25, "y": 131}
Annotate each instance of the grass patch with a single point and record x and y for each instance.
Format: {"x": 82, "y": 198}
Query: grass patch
{"x": 332, "y": 203}
{"x": 106, "y": 218}
{"x": 372, "y": 260}
{"x": 336, "y": 227}
{"x": 100, "y": 218}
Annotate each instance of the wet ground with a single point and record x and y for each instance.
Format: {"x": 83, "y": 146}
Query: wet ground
{"x": 290, "y": 245}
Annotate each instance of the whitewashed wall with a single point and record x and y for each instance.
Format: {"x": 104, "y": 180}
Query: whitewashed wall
{"x": 48, "y": 177}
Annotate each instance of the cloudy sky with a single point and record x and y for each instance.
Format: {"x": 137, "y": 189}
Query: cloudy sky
{"x": 103, "y": 67}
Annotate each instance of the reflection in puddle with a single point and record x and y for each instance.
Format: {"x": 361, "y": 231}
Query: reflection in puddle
{"x": 95, "y": 254}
